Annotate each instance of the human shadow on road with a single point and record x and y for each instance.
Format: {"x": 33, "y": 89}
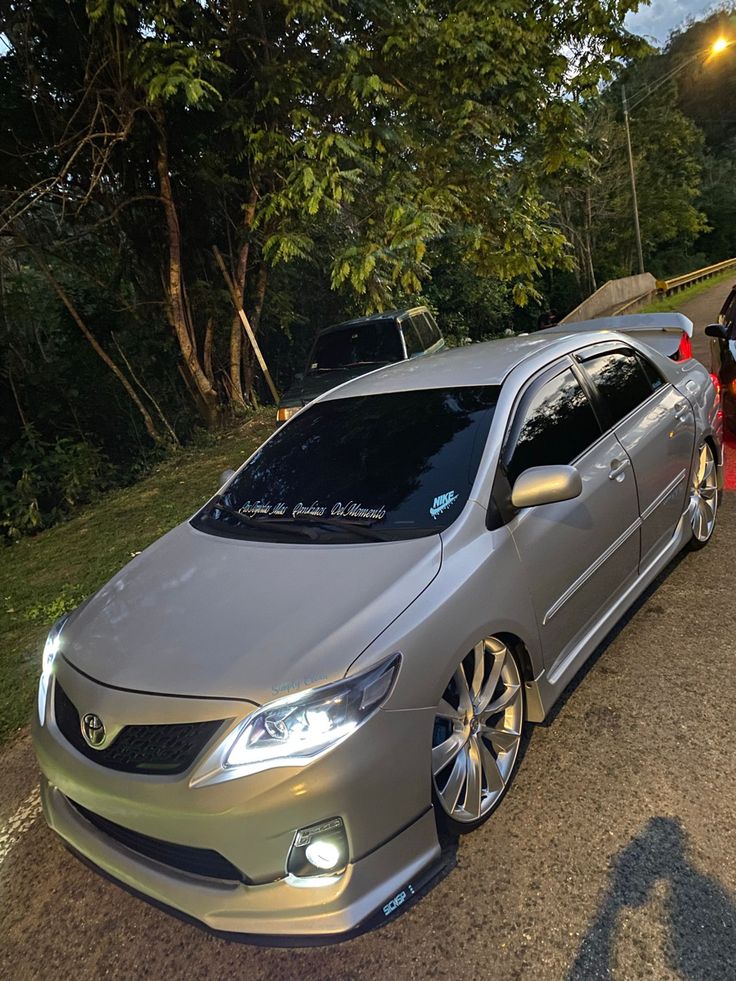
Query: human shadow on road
{"x": 700, "y": 914}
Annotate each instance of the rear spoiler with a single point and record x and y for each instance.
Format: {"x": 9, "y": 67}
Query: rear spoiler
{"x": 667, "y": 333}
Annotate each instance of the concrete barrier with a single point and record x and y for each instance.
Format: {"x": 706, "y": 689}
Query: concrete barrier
{"x": 615, "y": 295}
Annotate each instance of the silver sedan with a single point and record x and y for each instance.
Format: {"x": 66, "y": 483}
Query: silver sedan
{"x": 261, "y": 721}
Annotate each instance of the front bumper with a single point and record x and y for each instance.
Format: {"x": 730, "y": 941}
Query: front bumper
{"x": 285, "y": 908}
{"x": 371, "y": 781}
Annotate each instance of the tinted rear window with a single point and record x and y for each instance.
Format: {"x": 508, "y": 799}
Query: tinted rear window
{"x": 375, "y": 342}
{"x": 401, "y": 463}
{"x": 620, "y": 380}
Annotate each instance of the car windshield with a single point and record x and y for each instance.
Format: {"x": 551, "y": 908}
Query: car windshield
{"x": 373, "y": 342}
{"x": 388, "y": 466}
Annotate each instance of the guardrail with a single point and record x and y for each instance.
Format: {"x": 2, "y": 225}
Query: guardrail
{"x": 666, "y": 287}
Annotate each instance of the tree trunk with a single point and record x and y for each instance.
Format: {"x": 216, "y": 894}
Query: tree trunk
{"x": 589, "y": 239}
{"x": 209, "y": 337}
{"x": 206, "y": 395}
{"x": 249, "y": 359}
{"x": 99, "y": 350}
{"x": 236, "y": 329}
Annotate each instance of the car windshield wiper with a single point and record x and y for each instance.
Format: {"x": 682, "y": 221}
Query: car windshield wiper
{"x": 357, "y": 364}
{"x": 360, "y": 531}
{"x": 344, "y": 367}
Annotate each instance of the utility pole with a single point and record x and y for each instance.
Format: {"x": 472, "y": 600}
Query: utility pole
{"x": 632, "y": 175}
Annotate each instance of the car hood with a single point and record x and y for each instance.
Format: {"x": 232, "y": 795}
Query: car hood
{"x": 313, "y": 385}
{"x": 200, "y": 615}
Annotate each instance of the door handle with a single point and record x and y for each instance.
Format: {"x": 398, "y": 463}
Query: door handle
{"x": 617, "y": 469}
{"x": 681, "y": 409}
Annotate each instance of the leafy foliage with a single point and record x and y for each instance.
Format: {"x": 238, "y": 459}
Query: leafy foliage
{"x": 344, "y": 157}
{"x": 42, "y": 482}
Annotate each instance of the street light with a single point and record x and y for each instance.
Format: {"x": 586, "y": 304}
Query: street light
{"x": 718, "y": 46}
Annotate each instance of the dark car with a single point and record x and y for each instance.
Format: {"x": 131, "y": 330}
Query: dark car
{"x": 723, "y": 357}
{"x": 346, "y": 350}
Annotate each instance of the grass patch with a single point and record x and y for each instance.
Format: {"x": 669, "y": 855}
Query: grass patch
{"x": 45, "y": 576}
{"x": 670, "y": 303}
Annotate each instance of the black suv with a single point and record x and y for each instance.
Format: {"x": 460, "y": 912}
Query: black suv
{"x": 344, "y": 351}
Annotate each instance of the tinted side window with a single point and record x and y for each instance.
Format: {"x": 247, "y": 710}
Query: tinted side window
{"x": 652, "y": 374}
{"x": 413, "y": 341}
{"x": 423, "y": 329}
{"x": 620, "y": 380}
{"x": 434, "y": 331}
{"x": 555, "y": 426}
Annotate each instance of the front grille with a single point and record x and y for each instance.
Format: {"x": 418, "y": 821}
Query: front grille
{"x": 195, "y": 861}
{"x": 161, "y": 749}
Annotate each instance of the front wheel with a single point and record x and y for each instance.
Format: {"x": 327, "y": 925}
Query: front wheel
{"x": 477, "y": 736}
{"x": 704, "y": 497}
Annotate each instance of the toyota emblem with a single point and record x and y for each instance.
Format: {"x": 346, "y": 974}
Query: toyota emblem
{"x": 93, "y": 730}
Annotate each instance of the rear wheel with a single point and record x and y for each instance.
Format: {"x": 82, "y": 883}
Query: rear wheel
{"x": 704, "y": 497}
{"x": 477, "y": 736}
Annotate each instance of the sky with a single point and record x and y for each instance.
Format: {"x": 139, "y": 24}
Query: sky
{"x": 657, "y": 20}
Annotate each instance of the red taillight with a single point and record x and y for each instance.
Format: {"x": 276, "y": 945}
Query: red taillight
{"x": 716, "y": 384}
{"x": 685, "y": 350}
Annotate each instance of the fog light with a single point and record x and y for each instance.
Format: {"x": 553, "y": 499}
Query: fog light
{"x": 324, "y": 854}
{"x": 319, "y": 849}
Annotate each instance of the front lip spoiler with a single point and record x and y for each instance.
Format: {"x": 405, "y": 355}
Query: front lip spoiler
{"x": 393, "y": 876}
{"x": 432, "y": 874}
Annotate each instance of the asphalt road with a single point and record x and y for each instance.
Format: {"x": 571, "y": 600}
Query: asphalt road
{"x": 613, "y": 855}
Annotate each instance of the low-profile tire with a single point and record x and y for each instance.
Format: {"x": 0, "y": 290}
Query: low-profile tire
{"x": 477, "y": 736}
{"x": 704, "y": 497}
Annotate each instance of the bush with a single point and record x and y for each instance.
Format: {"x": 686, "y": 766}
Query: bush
{"x": 40, "y": 482}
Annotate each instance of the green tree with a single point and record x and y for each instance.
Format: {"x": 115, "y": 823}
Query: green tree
{"x": 594, "y": 197}
{"x": 390, "y": 121}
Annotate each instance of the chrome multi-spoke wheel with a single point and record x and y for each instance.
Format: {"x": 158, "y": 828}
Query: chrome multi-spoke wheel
{"x": 477, "y": 734}
{"x": 704, "y": 497}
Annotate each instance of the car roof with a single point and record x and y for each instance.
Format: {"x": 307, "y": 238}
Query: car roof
{"x": 371, "y": 318}
{"x": 485, "y": 363}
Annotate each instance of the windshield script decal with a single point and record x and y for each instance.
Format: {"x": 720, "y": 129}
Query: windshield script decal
{"x": 442, "y": 503}
{"x": 353, "y": 509}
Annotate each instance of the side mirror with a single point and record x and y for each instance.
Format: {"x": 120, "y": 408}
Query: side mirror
{"x": 226, "y": 475}
{"x": 717, "y": 330}
{"x": 546, "y": 485}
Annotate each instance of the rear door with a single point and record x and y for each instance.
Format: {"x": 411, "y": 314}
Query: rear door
{"x": 579, "y": 555}
{"x": 656, "y": 427}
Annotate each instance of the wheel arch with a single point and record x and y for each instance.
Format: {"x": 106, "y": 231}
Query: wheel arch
{"x": 710, "y": 439}
{"x": 520, "y": 651}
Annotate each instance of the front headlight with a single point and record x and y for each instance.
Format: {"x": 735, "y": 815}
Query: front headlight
{"x": 50, "y": 650}
{"x": 297, "y": 729}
